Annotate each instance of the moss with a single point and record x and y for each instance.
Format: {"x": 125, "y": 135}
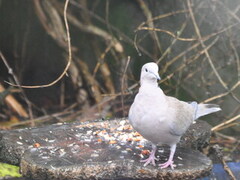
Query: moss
{"x": 9, "y": 170}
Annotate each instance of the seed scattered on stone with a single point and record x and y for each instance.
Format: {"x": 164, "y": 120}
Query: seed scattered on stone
{"x": 45, "y": 157}
{"x": 99, "y": 140}
{"x": 36, "y": 145}
{"x": 145, "y": 152}
{"x": 94, "y": 155}
{"x": 122, "y": 122}
{"x": 161, "y": 150}
{"x": 124, "y": 152}
{"x": 112, "y": 142}
{"x": 179, "y": 158}
{"x": 89, "y": 132}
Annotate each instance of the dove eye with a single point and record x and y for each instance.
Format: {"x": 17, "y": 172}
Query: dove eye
{"x": 146, "y": 70}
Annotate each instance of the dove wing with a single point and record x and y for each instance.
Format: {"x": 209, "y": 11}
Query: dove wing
{"x": 180, "y": 116}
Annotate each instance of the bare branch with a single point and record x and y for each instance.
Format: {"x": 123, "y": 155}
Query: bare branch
{"x": 69, "y": 58}
{"x": 217, "y": 128}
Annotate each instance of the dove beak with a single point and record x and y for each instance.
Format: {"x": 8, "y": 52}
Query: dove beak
{"x": 157, "y": 76}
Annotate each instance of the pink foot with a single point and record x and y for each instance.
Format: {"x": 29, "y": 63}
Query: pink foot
{"x": 151, "y": 158}
{"x": 170, "y": 159}
{"x": 166, "y": 164}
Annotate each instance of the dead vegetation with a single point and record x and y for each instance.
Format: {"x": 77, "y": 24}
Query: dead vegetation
{"x": 195, "y": 43}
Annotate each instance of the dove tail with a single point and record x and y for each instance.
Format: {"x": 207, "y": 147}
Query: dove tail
{"x": 204, "y": 109}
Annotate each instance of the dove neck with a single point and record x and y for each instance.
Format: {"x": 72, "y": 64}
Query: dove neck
{"x": 148, "y": 83}
{"x": 148, "y": 86}
{"x": 151, "y": 89}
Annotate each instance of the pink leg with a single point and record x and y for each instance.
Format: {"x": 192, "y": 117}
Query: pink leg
{"x": 151, "y": 158}
{"x": 170, "y": 159}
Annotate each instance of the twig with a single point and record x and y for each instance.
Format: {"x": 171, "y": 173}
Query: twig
{"x": 150, "y": 23}
{"x": 190, "y": 48}
{"x": 222, "y": 94}
{"x": 228, "y": 125}
{"x": 10, "y": 71}
{"x": 115, "y": 29}
{"x": 107, "y": 18}
{"x": 62, "y": 94}
{"x": 101, "y": 58}
{"x": 103, "y": 66}
{"x": 229, "y": 11}
{"x": 89, "y": 28}
{"x": 5, "y": 94}
{"x": 137, "y": 47}
{"x": 237, "y": 59}
{"x": 162, "y": 16}
{"x": 221, "y": 31}
{"x": 69, "y": 58}
{"x": 217, "y": 128}
{"x": 232, "y": 139}
{"x": 189, "y": 61}
{"x": 122, "y": 84}
{"x": 206, "y": 51}
{"x": 41, "y": 119}
{"x": 167, "y": 32}
{"x": 174, "y": 59}
{"x": 91, "y": 81}
{"x": 166, "y": 52}
{"x": 219, "y": 154}
{"x": 203, "y": 45}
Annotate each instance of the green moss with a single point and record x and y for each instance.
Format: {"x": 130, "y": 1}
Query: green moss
{"x": 9, "y": 170}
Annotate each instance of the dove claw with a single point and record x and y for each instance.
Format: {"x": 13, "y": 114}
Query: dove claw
{"x": 151, "y": 158}
{"x": 166, "y": 164}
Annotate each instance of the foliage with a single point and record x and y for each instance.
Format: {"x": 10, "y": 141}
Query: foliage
{"x": 9, "y": 170}
{"x": 195, "y": 43}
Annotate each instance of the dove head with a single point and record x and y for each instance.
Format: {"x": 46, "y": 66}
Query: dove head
{"x": 149, "y": 73}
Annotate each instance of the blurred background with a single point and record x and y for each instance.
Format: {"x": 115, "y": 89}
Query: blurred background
{"x": 196, "y": 44}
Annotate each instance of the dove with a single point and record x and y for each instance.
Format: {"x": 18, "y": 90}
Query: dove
{"x": 162, "y": 119}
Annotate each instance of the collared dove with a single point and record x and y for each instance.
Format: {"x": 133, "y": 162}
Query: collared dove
{"x": 162, "y": 119}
